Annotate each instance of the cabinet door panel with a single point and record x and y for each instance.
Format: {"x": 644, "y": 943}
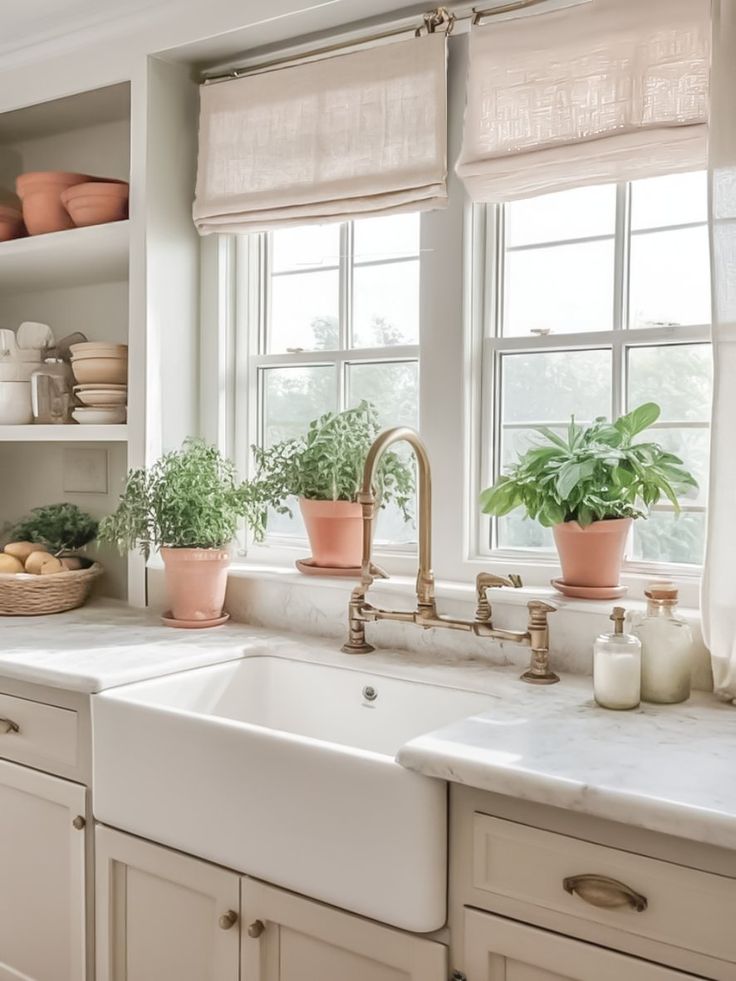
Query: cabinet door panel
{"x": 42, "y": 885}
{"x": 497, "y": 949}
{"x": 306, "y": 941}
{"x": 158, "y": 914}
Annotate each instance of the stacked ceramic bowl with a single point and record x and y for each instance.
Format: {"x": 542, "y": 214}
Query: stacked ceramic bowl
{"x": 101, "y": 373}
{"x": 11, "y": 216}
{"x": 54, "y": 200}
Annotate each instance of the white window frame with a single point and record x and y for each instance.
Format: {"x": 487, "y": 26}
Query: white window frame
{"x": 456, "y": 390}
{"x": 488, "y": 263}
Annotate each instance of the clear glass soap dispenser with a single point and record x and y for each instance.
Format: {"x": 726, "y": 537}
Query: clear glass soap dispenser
{"x": 617, "y": 666}
{"x": 666, "y": 647}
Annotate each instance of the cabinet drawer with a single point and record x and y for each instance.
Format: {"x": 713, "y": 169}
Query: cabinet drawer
{"x": 664, "y": 902}
{"x": 37, "y": 733}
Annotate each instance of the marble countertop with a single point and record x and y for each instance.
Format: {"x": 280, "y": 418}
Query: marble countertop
{"x": 106, "y": 644}
{"x": 665, "y": 768}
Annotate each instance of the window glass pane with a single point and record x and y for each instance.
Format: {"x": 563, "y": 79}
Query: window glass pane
{"x": 670, "y": 278}
{"x": 386, "y": 304}
{"x": 394, "y": 390}
{"x": 515, "y": 530}
{"x": 677, "y": 377}
{"x": 665, "y": 537}
{"x": 676, "y": 199}
{"x": 393, "y": 387}
{"x": 562, "y": 289}
{"x": 547, "y": 387}
{"x": 304, "y": 312}
{"x": 579, "y": 213}
{"x": 292, "y": 397}
{"x": 386, "y": 238}
{"x": 308, "y": 247}
{"x": 692, "y": 446}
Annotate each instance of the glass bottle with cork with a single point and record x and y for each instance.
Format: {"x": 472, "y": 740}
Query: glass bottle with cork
{"x": 666, "y": 647}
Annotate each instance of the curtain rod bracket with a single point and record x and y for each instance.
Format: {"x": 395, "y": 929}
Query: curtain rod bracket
{"x": 434, "y": 19}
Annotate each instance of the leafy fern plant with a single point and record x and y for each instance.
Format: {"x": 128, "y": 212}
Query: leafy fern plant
{"x": 326, "y": 465}
{"x": 594, "y": 473}
{"x": 190, "y": 498}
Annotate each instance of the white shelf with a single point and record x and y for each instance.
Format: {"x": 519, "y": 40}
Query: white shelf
{"x": 63, "y": 434}
{"x": 96, "y": 254}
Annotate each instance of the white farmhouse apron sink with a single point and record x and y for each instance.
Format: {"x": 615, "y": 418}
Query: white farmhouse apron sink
{"x": 285, "y": 770}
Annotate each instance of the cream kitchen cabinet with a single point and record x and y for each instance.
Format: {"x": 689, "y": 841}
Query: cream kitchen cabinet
{"x": 42, "y": 876}
{"x": 161, "y": 914}
{"x": 288, "y": 938}
{"x": 497, "y": 949}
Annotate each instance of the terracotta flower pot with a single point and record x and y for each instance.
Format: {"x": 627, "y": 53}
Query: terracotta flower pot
{"x": 335, "y": 530}
{"x": 11, "y": 223}
{"x": 196, "y": 580}
{"x": 592, "y": 556}
{"x": 40, "y": 192}
{"x": 96, "y": 203}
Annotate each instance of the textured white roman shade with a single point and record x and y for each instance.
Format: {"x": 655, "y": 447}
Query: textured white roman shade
{"x": 353, "y": 135}
{"x": 612, "y": 90}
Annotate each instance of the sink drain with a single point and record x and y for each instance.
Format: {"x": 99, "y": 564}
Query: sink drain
{"x": 369, "y": 693}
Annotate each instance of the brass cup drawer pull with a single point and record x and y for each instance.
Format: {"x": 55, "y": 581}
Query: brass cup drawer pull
{"x": 605, "y": 893}
{"x": 7, "y": 727}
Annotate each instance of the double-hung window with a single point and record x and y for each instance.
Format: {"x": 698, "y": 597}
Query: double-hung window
{"x": 598, "y": 301}
{"x": 334, "y": 320}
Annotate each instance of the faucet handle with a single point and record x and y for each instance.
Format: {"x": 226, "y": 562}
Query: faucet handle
{"x": 538, "y": 610}
{"x": 484, "y": 581}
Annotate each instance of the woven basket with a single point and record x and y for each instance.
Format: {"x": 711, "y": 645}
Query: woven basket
{"x": 32, "y": 596}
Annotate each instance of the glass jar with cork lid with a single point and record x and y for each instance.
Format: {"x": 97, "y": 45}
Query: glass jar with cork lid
{"x": 666, "y": 647}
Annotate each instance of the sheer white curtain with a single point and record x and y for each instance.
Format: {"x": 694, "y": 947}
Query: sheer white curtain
{"x": 613, "y": 90}
{"x": 353, "y": 135}
{"x": 719, "y": 584}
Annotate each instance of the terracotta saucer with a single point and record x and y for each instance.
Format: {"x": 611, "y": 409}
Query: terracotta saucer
{"x": 168, "y": 621}
{"x": 308, "y": 568}
{"x": 589, "y": 592}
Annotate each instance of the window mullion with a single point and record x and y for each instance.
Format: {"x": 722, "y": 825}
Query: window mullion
{"x": 620, "y": 298}
{"x": 346, "y": 311}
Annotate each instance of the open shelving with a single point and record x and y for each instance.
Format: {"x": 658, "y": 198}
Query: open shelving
{"x": 63, "y": 434}
{"x": 75, "y": 257}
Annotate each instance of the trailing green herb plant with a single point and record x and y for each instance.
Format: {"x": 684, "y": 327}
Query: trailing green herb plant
{"x": 594, "y": 473}
{"x": 189, "y": 498}
{"x": 326, "y": 465}
{"x": 59, "y": 527}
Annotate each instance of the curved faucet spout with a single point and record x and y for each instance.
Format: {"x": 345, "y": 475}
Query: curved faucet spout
{"x": 367, "y": 498}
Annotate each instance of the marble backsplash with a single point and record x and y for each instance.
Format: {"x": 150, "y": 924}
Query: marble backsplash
{"x": 282, "y": 599}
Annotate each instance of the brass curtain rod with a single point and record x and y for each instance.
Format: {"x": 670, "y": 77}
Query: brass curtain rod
{"x": 440, "y": 19}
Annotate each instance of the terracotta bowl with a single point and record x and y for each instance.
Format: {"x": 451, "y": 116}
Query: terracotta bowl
{"x": 40, "y": 192}
{"x": 11, "y": 223}
{"x": 101, "y": 371}
{"x": 96, "y": 203}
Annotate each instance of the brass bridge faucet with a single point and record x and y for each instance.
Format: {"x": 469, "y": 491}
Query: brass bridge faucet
{"x": 425, "y": 615}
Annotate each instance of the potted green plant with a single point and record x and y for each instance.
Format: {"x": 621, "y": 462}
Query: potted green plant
{"x": 589, "y": 486}
{"x": 187, "y": 505}
{"x": 324, "y": 470}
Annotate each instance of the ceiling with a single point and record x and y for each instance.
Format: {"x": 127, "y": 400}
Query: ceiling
{"x": 26, "y": 23}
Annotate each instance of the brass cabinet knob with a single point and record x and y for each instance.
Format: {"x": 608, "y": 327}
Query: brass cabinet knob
{"x": 7, "y": 726}
{"x": 228, "y": 920}
{"x": 605, "y": 893}
{"x": 256, "y": 928}
{"x": 79, "y": 822}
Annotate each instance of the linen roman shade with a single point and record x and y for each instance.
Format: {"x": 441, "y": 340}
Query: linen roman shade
{"x": 612, "y": 90}
{"x": 354, "y": 135}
